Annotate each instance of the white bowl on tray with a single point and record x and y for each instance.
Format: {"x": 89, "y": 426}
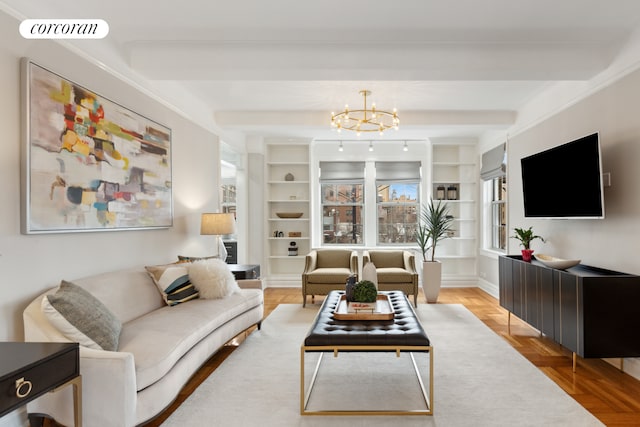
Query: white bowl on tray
{"x": 554, "y": 262}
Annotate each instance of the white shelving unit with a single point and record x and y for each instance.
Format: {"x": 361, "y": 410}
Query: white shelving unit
{"x": 454, "y": 167}
{"x": 287, "y": 190}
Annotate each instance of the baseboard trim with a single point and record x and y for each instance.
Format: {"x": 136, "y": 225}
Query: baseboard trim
{"x": 490, "y": 288}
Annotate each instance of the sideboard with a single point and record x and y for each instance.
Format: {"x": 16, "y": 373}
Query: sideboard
{"x": 591, "y": 311}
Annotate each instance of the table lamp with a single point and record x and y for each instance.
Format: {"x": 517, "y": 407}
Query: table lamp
{"x": 218, "y": 224}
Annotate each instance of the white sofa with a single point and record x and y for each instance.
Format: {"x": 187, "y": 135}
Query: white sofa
{"x": 160, "y": 347}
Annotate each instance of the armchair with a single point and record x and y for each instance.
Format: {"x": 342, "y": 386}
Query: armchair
{"x": 396, "y": 270}
{"x": 327, "y": 270}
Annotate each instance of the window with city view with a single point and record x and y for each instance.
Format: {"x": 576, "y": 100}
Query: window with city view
{"x": 398, "y": 210}
{"x": 342, "y": 213}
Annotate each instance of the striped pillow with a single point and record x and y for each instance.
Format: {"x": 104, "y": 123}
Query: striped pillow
{"x": 173, "y": 282}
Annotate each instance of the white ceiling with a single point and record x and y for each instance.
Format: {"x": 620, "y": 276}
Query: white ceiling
{"x": 449, "y": 67}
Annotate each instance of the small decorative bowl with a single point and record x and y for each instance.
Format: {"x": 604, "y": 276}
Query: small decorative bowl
{"x": 289, "y": 214}
{"x": 559, "y": 263}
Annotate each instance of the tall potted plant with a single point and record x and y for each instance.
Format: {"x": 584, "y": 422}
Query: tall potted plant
{"x": 525, "y": 237}
{"x": 434, "y": 225}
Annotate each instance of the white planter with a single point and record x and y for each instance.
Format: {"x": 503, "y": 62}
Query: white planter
{"x": 431, "y": 280}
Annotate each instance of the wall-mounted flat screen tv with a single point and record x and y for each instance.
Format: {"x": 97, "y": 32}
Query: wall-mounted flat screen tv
{"x": 564, "y": 181}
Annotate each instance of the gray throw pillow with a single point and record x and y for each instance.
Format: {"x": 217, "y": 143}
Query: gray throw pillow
{"x": 82, "y": 318}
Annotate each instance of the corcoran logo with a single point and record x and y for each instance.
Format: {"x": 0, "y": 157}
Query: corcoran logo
{"x": 64, "y": 29}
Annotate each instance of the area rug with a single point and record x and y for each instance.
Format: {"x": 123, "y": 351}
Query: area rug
{"x": 479, "y": 380}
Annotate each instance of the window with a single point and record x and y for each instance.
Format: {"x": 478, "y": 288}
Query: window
{"x": 398, "y": 210}
{"x": 342, "y": 202}
{"x": 342, "y": 210}
{"x": 499, "y": 213}
{"x": 493, "y": 172}
{"x": 398, "y": 204}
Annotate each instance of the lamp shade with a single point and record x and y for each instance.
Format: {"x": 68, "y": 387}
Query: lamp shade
{"x": 217, "y": 224}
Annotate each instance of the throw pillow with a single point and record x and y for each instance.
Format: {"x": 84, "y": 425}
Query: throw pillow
{"x": 82, "y": 318}
{"x": 172, "y": 280}
{"x": 212, "y": 278}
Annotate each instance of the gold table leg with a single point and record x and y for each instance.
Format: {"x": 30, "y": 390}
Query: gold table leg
{"x": 306, "y": 394}
{"x": 77, "y": 398}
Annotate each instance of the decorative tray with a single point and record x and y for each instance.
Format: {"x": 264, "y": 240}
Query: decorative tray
{"x": 383, "y": 310}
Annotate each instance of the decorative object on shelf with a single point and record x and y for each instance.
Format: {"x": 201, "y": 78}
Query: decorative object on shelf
{"x": 218, "y": 224}
{"x": 293, "y": 249}
{"x": 351, "y": 283}
{"x": 365, "y": 120}
{"x": 559, "y": 263}
{"x": 289, "y": 177}
{"x": 434, "y": 226}
{"x": 525, "y": 237}
{"x": 369, "y": 273}
{"x": 289, "y": 214}
{"x": 440, "y": 192}
{"x": 292, "y": 197}
{"x": 280, "y": 234}
{"x": 295, "y": 234}
{"x": 275, "y": 233}
{"x": 452, "y": 192}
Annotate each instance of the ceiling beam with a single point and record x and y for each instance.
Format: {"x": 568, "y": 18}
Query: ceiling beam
{"x": 408, "y": 118}
{"x": 272, "y": 60}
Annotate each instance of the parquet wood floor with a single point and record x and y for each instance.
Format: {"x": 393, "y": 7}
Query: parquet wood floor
{"x": 609, "y": 394}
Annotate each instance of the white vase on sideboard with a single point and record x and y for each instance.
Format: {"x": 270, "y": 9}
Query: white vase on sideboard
{"x": 431, "y": 280}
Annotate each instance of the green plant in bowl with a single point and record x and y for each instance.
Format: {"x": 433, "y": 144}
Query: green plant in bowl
{"x": 365, "y": 291}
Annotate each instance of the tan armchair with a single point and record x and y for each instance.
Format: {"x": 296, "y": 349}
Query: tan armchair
{"x": 327, "y": 270}
{"x": 396, "y": 270}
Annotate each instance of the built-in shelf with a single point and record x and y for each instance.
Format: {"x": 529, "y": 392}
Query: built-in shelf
{"x": 454, "y": 164}
{"x": 285, "y": 195}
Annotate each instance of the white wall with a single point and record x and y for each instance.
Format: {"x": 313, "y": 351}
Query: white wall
{"x": 607, "y": 243}
{"x": 29, "y": 264}
{"x": 610, "y": 243}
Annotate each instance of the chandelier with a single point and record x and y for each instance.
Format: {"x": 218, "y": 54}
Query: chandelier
{"x": 365, "y": 120}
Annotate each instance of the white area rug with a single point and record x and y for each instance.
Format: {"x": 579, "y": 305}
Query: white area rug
{"x": 479, "y": 380}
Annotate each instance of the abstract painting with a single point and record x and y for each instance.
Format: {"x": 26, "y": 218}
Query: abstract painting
{"x": 89, "y": 163}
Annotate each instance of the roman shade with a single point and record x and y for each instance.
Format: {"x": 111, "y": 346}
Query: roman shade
{"x": 398, "y": 171}
{"x": 341, "y": 171}
{"x": 494, "y": 163}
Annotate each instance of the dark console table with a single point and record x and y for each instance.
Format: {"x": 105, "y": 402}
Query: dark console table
{"x": 245, "y": 271}
{"x": 591, "y": 311}
{"x": 29, "y": 370}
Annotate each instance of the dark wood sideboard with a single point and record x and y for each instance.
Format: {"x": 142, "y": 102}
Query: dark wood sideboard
{"x": 591, "y": 311}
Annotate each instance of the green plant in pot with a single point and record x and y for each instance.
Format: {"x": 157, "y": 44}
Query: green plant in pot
{"x": 526, "y": 236}
{"x": 433, "y": 227}
{"x": 365, "y": 291}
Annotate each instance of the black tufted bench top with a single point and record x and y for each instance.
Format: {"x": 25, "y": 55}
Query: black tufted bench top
{"x": 402, "y": 331}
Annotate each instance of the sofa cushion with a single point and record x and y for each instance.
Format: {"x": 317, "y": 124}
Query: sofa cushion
{"x": 173, "y": 283}
{"x": 387, "y": 259}
{"x": 82, "y": 318}
{"x": 129, "y": 293}
{"x": 328, "y": 258}
{"x": 160, "y": 338}
{"x": 329, "y": 275}
{"x": 212, "y": 278}
{"x": 394, "y": 275}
